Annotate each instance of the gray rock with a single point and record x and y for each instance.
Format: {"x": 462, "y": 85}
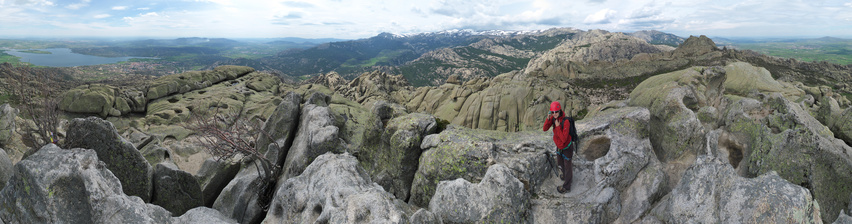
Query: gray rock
{"x": 202, "y": 215}
{"x": 71, "y": 186}
{"x": 120, "y": 156}
{"x": 175, "y": 190}
{"x": 279, "y": 129}
{"x": 239, "y": 199}
{"x": 711, "y": 192}
{"x": 156, "y": 154}
{"x": 843, "y": 218}
{"x": 7, "y": 123}
{"x": 393, "y": 162}
{"x": 499, "y": 197}
{"x": 335, "y": 189}
{"x": 423, "y": 216}
{"x": 778, "y": 135}
{"x": 213, "y": 176}
{"x": 459, "y": 153}
{"x": 5, "y": 168}
{"x": 316, "y": 136}
{"x": 673, "y": 98}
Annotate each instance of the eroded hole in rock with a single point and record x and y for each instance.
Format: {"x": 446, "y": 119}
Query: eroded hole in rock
{"x": 691, "y": 103}
{"x": 732, "y": 148}
{"x": 202, "y": 92}
{"x": 178, "y": 111}
{"x": 173, "y": 100}
{"x": 596, "y": 147}
{"x": 190, "y": 108}
{"x": 317, "y": 210}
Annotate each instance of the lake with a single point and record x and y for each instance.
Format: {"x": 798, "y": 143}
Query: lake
{"x": 63, "y": 57}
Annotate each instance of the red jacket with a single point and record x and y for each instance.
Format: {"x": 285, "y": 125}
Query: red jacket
{"x": 560, "y": 133}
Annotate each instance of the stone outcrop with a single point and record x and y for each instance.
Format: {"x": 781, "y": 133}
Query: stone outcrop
{"x": 239, "y": 199}
{"x": 778, "y": 135}
{"x": 175, "y": 190}
{"x": 213, "y": 176}
{"x": 280, "y": 129}
{"x": 233, "y": 97}
{"x": 189, "y": 81}
{"x": 7, "y": 123}
{"x": 673, "y": 100}
{"x": 449, "y": 155}
{"x": 118, "y": 154}
{"x": 335, "y": 189}
{"x": 92, "y": 99}
{"x": 711, "y": 192}
{"x": 57, "y": 185}
{"x": 393, "y": 162}
{"x": 316, "y": 135}
{"x": 203, "y": 215}
{"x": 107, "y": 100}
{"x": 5, "y": 168}
{"x": 500, "y": 197}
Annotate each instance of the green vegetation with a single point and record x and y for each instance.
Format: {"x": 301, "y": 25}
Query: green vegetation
{"x": 37, "y": 52}
{"x": 8, "y": 58}
{"x": 832, "y": 50}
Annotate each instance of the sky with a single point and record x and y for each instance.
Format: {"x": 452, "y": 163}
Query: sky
{"x": 355, "y": 19}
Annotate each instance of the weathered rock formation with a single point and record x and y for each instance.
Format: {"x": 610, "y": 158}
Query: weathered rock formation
{"x": 106, "y": 100}
{"x": 393, "y": 162}
{"x": 711, "y": 192}
{"x": 7, "y": 123}
{"x": 175, "y": 190}
{"x": 118, "y": 154}
{"x": 56, "y": 185}
{"x": 335, "y": 189}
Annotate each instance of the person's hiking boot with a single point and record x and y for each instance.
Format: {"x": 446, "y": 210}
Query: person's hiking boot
{"x": 562, "y": 190}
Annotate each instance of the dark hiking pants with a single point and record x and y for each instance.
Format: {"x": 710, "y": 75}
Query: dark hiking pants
{"x": 567, "y": 168}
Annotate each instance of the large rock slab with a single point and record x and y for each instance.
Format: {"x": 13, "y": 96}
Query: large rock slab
{"x": 452, "y": 154}
{"x": 335, "y": 189}
{"x": 213, "y": 176}
{"x": 203, "y": 215}
{"x": 118, "y": 154}
{"x": 279, "y": 130}
{"x": 5, "y": 168}
{"x": 239, "y": 199}
{"x": 7, "y": 123}
{"x": 673, "y": 100}
{"x": 499, "y": 197}
{"x": 92, "y": 99}
{"x": 711, "y": 192}
{"x": 175, "y": 190}
{"x": 189, "y": 81}
{"x": 778, "y": 135}
{"x": 393, "y": 162}
{"x": 71, "y": 186}
{"x": 317, "y": 135}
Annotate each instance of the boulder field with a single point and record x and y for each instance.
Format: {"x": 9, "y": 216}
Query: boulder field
{"x": 722, "y": 143}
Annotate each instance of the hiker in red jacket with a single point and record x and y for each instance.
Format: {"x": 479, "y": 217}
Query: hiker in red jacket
{"x": 562, "y": 138}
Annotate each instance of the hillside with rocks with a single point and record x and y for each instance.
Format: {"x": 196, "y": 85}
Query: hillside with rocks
{"x": 667, "y": 135}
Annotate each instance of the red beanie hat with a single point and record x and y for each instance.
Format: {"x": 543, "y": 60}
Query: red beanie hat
{"x": 555, "y": 106}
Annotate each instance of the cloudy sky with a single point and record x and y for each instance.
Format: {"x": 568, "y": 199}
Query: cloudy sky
{"x": 353, "y": 19}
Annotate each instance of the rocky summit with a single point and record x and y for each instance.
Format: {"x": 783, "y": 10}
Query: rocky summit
{"x": 686, "y": 134}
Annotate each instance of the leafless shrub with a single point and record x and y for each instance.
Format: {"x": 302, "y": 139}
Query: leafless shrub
{"x": 35, "y": 93}
{"x": 229, "y": 136}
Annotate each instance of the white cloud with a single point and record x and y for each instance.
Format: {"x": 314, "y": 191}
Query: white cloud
{"x": 601, "y": 17}
{"x": 119, "y": 7}
{"x": 101, "y": 16}
{"x": 143, "y": 8}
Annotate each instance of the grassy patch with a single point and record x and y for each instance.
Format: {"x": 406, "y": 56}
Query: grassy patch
{"x": 8, "y": 58}
{"x": 37, "y": 52}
